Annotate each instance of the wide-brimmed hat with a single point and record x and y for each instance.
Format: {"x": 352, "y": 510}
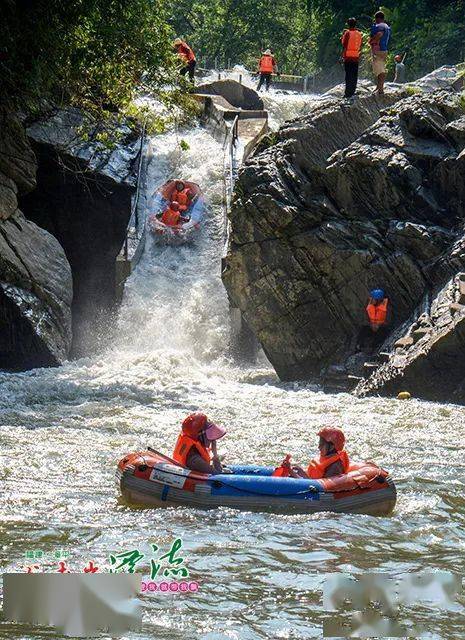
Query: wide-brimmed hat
{"x": 214, "y": 431}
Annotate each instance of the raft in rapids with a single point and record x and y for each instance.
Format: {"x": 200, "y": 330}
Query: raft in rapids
{"x": 151, "y": 479}
{"x": 193, "y": 215}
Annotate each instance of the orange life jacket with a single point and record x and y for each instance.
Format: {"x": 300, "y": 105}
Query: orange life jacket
{"x": 182, "y": 198}
{"x": 170, "y": 217}
{"x": 185, "y": 52}
{"x": 377, "y": 313}
{"x": 267, "y": 64}
{"x": 354, "y": 44}
{"x": 317, "y": 467}
{"x": 183, "y": 446}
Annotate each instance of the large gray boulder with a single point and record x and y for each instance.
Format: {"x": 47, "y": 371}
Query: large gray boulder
{"x": 338, "y": 201}
{"x": 86, "y": 180}
{"x": 35, "y": 277}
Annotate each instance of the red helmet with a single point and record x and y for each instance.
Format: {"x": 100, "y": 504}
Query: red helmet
{"x": 333, "y": 435}
{"x": 194, "y": 424}
{"x": 174, "y": 206}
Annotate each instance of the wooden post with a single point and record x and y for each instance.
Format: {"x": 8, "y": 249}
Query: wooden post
{"x": 229, "y": 63}
{"x": 240, "y": 78}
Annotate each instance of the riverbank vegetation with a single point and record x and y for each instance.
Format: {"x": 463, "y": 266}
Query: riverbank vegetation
{"x": 96, "y": 53}
{"x": 305, "y": 34}
{"x": 93, "y": 54}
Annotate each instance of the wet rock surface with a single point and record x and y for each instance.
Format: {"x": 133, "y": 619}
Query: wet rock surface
{"x": 83, "y": 197}
{"x": 349, "y": 197}
{"x": 35, "y": 277}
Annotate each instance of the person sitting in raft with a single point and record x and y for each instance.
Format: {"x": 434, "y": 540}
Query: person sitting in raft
{"x": 171, "y": 216}
{"x": 182, "y": 195}
{"x": 196, "y": 445}
{"x": 333, "y": 459}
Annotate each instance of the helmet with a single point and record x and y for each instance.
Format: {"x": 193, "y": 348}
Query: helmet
{"x": 179, "y": 185}
{"x": 194, "y": 424}
{"x": 267, "y": 52}
{"x": 377, "y": 294}
{"x": 177, "y": 42}
{"x": 334, "y": 435}
{"x": 174, "y": 206}
{"x": 398, "y": 58}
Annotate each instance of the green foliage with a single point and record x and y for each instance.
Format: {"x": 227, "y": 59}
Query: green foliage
{"x": 184, "y": 145}
{"x": 305, "y": 34}
{"x": 92, "y": 53}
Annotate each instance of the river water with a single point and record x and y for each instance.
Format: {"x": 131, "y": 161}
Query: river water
{"x": 63, "y": 431}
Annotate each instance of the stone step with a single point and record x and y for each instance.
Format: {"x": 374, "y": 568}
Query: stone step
{"x": 371, "y": 365}
{"x": 404, "y": 342}
{"x": 420, "y": 333}
{"x": 456, "y": 307}
{"x": 461, "y": 299}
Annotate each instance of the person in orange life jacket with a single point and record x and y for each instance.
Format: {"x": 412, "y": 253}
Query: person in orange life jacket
{"x": 196, "y": 445}
{"x": 351, "y": 47}
{"x": 187, "y": 56}
{"x": 171, "y": 216}
{"x": 266, "y": 66}
{"x": 182, "y": 195}
{"x": 378, "y": 313}
{"x": 333, "y": 459}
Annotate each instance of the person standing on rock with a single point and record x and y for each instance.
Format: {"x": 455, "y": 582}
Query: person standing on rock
{"x": 379, "y": 42}
{"x": 351, "y": 40}
{"x": 187, "y": 56}
{"x": 378, "y": 313}
{"x": 399, "y": 75}
{"x": 266, "y": 67}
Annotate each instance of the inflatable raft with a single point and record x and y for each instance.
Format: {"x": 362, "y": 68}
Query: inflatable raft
{"x": 151, "y": 479}
{"x": 193, "y": 216}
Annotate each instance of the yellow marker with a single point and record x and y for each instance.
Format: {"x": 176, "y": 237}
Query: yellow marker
{"x": 404, "y": 395}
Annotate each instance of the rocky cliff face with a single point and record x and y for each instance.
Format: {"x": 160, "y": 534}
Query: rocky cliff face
{"x": 344, "y": 199}
{"x": 35, "y": 277}
{"x": 83, "y": 197}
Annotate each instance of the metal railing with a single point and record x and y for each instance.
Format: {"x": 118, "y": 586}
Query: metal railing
{"x": 306, "y": 84}
{"x": 230, "y": 170}
{"x": 133, "y": 234}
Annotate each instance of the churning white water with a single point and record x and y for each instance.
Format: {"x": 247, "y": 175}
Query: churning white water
{"x": 63, "y": 430}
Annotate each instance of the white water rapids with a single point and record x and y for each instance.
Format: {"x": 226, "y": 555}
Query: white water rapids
{"x": 63, "y": 430}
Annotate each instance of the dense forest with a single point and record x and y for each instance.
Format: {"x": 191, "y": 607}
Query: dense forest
{"x": 305, "y": 34}
{"x": 94, "y": 52}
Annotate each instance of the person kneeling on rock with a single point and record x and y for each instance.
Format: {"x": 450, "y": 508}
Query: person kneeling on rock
{"x": 332, "y": 461}
{"x": 196, "y": 445}
{"x": 378, "y": 312}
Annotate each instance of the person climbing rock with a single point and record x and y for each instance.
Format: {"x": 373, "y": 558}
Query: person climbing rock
{"x": 196, "y": 445}
{"x": 333, "y": 459}
{"x": 182, "y": 195}
{"x": 399, "y": 75}
{"x": 187, "y": 56}
{"x": 351, "y": 47}
{"x": 266, "y": 67}
{"x": 379, "y": 41}
{"x": 378, "y": 314}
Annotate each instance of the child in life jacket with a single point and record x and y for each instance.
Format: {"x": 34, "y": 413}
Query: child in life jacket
{"x": 332, "y": 461}
{"x": 196, "y": 445}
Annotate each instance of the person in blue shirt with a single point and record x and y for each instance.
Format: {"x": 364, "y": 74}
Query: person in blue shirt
{"x": 379, "y": 41}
